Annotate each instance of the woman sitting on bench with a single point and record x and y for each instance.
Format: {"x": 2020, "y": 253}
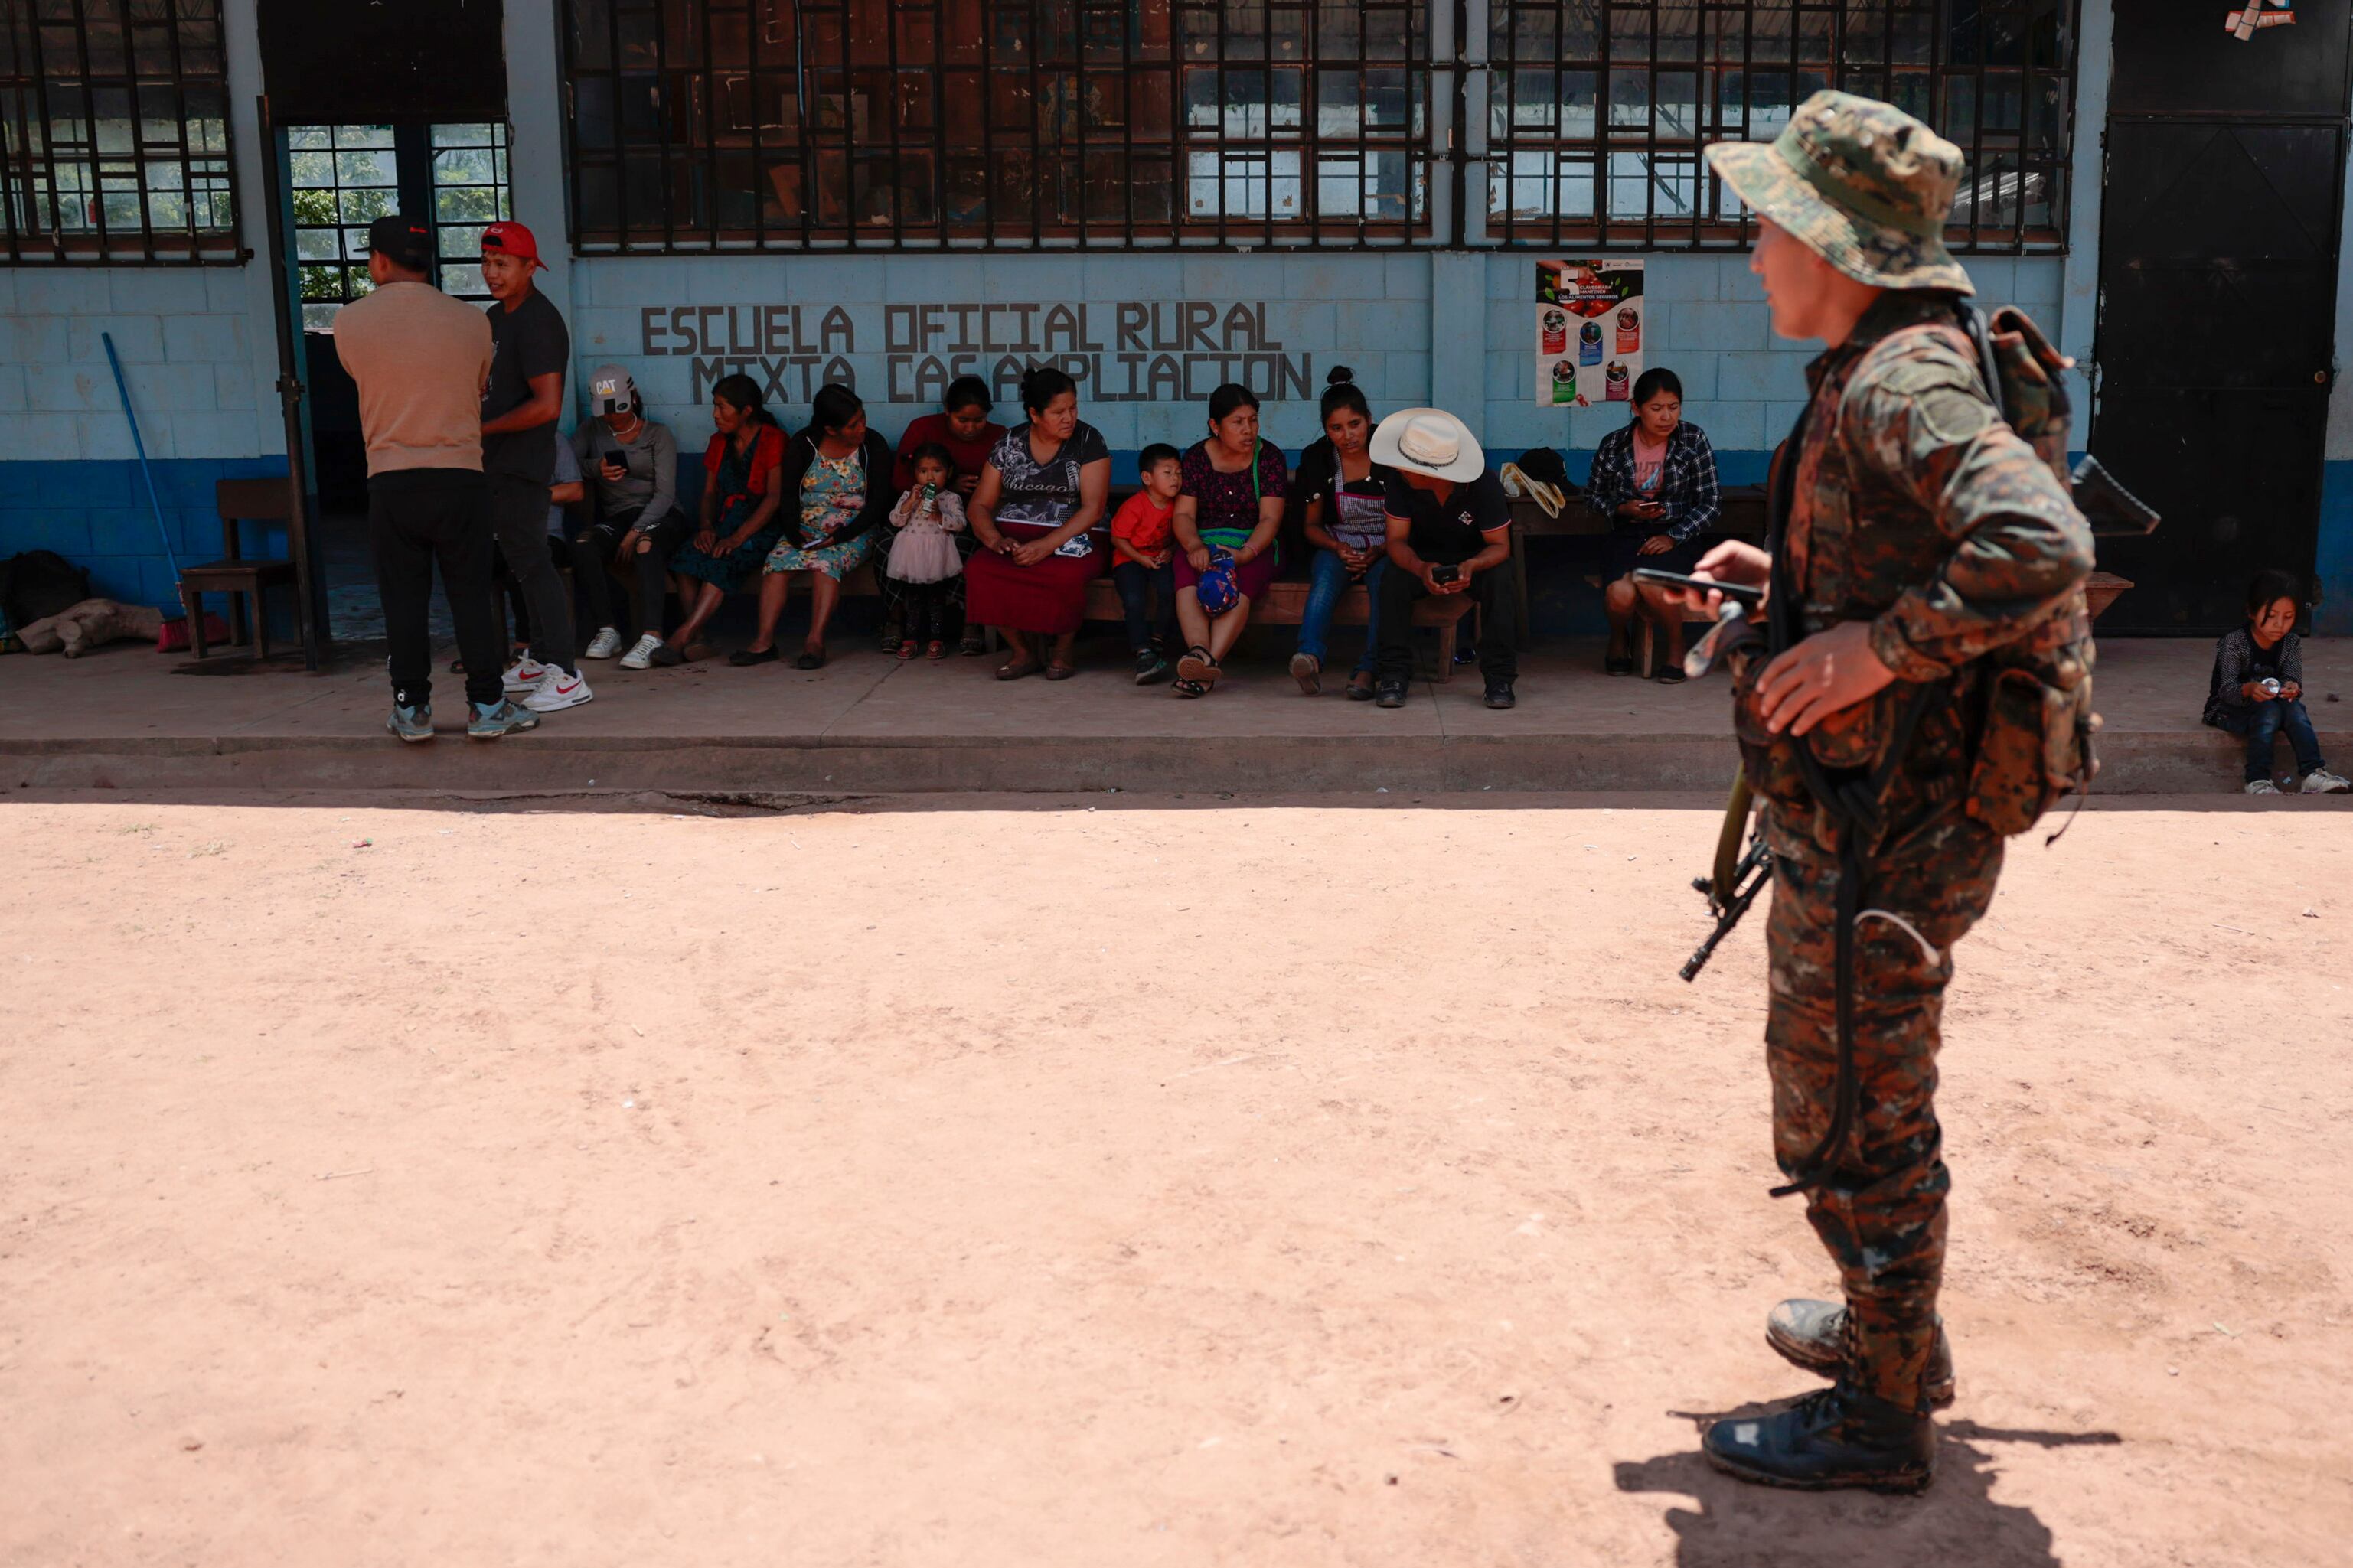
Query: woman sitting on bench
{"x": 1225, "y": 521}
{"x": 1654, "y": 481}
{"x": 836, "y": 479}
{"x": 1043, "y": 489}
{"x": 739, "y": 521}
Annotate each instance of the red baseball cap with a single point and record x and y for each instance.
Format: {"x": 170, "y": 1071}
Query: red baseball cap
{"x": 512, "y": 238}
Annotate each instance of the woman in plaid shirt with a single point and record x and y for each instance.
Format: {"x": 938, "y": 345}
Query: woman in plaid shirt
{"x": 1654, "y": 483}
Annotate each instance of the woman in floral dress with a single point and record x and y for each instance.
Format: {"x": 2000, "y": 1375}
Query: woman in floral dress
{"x": 840, "y": 473}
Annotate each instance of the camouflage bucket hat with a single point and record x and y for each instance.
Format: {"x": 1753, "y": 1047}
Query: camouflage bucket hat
{"x": 1862, "y": 183}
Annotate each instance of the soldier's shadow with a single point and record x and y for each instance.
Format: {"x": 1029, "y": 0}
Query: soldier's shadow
{"x": 1737, "y": 1525}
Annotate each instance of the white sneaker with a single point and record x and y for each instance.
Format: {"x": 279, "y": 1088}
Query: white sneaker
{"x": 642, "y": 655}
{"x": 556, "y": 691}
{"x": 2254, "y": 786}
{"x": 604, "y": 645}
{"x": 2320, "y": 781}
{"x": 524, "y": 675}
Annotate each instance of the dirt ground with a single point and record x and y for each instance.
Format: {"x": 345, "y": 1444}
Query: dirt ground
{"x": 1118, "y": 1181}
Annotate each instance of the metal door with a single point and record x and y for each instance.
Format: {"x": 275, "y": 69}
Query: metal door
{"x": 2218, "y": 287}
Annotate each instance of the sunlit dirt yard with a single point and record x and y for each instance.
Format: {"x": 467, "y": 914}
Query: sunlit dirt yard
{"x": 1117, "y": 1181}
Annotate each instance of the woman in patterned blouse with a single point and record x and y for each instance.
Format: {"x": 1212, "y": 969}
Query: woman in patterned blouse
{"x": 1044, "y": 488}
{"x": 1654, "y": 482}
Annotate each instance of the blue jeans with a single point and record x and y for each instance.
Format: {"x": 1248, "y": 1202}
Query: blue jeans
{"x": 2263, "y": 726}
{"x": 1135, "y": 583}
{"x": 1326, "y": 580}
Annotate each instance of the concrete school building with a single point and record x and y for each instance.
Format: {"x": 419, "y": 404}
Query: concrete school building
{"x": 1163, "y": 198}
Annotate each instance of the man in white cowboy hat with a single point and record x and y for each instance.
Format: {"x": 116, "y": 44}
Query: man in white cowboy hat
{"x": 1917, "y": 540}
{"x": 1449, "y": 532}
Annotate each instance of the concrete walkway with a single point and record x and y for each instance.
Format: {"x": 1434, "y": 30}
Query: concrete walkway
{"x": 124, "y": 719}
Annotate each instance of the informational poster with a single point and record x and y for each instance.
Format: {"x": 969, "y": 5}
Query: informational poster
{"x": 1591, "y": 331}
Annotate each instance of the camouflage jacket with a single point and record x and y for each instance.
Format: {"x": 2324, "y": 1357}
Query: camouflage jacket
{"x": 1916, "y": 509}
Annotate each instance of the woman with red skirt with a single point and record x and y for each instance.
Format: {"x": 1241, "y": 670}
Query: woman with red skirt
{"x": 1045, "y": 486}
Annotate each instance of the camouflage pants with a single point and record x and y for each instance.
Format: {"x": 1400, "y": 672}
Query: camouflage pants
{"x": 1881, "y": 1212}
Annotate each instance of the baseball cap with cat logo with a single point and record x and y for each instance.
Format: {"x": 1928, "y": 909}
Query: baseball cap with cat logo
{"x": 611, "y": 389}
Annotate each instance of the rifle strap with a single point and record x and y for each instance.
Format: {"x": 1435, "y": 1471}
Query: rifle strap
{"x": 1854, "y": 804}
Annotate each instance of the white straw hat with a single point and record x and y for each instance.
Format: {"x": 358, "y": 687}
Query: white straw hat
{"x": 1429, "y": 441}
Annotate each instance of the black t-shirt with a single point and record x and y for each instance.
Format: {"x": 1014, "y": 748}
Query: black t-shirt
{"x": 1452, "y": 529}
{"x": 528, "y": 340}
{"x": 2263, "y": 661}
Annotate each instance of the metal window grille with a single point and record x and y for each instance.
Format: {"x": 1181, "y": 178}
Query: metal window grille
{"x": 844, "y": 124}
{"x": 345, "y": 177}
{"x": 470, "y": 190}
{"x": 114, "y": 132}
{"x": 1597, "y": 109}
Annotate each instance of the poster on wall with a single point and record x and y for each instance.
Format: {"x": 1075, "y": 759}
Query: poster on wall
{"x": 1590, "y": 325}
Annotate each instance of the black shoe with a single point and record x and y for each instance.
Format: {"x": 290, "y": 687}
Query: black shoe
{"x": 893, "y": 634}
{"x": 1151, "y": 670}
{"x": 744, "y": 658}
{"x": 1390, "y": 694}
{"x": 1499, "y": 694}
{"x": 1812, "y": 1335}
{"x": 1617, "y": 664}
{"x": 1833, "y": 1438}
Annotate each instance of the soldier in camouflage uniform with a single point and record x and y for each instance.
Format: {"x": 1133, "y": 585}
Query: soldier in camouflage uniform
{"x": 1921, "y": 534}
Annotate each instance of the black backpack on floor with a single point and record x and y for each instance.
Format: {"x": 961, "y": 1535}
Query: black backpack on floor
{"x": 40, "y": 583}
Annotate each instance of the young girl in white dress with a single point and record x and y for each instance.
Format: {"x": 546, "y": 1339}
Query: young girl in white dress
{"x": 922, "y": 550}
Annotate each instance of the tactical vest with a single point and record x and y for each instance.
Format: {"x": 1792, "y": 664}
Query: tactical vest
{"x": 2023, "y": 712}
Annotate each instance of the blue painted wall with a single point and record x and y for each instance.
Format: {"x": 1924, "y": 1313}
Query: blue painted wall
{"x": 1450, "y": 327}
{"x": 96, "y": 513}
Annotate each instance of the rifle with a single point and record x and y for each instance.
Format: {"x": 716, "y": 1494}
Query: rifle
{"x": 1738, "y": 877}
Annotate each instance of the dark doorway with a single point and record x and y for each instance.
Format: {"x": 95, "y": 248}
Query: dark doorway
{"x": 2218, "y": 289}
{"x": 389, "y": 109}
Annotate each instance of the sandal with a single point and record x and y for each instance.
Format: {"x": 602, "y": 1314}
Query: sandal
{"x": 1014, "y": 669}
{"x": 1360, "y": 686}
{"x": 1199, "y": 667}
{"x": 1184, "y": 687}
{"x": 811, "y": 658}
{"x": 936, "y": 649}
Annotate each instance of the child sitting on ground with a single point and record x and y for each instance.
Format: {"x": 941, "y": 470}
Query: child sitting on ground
{"x": 1143, "y": 560}
{"x": 922, "y": 552}
{"x": 2258, "y": 688}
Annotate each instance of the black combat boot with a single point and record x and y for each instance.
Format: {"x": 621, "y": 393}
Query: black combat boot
{"x": 1838, "y": 1437}
{"x": 1812, "y": 1335}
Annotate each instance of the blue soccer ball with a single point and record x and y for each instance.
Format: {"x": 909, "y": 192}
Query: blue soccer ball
{"x": 1218, "y": 590}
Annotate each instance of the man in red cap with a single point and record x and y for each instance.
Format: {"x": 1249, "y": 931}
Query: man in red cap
{"x": 520, "y": 407}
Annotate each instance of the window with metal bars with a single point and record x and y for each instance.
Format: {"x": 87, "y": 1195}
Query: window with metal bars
{"x": 1597, "y": 109}
{"x": 842, "y": 124}
{"x": 114, "y": 132}
{"x": 346, "y": 177}
{"x": 470, "y": 192}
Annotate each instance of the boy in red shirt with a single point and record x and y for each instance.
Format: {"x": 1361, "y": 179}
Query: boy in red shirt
{"x": 1142, "y": 557}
